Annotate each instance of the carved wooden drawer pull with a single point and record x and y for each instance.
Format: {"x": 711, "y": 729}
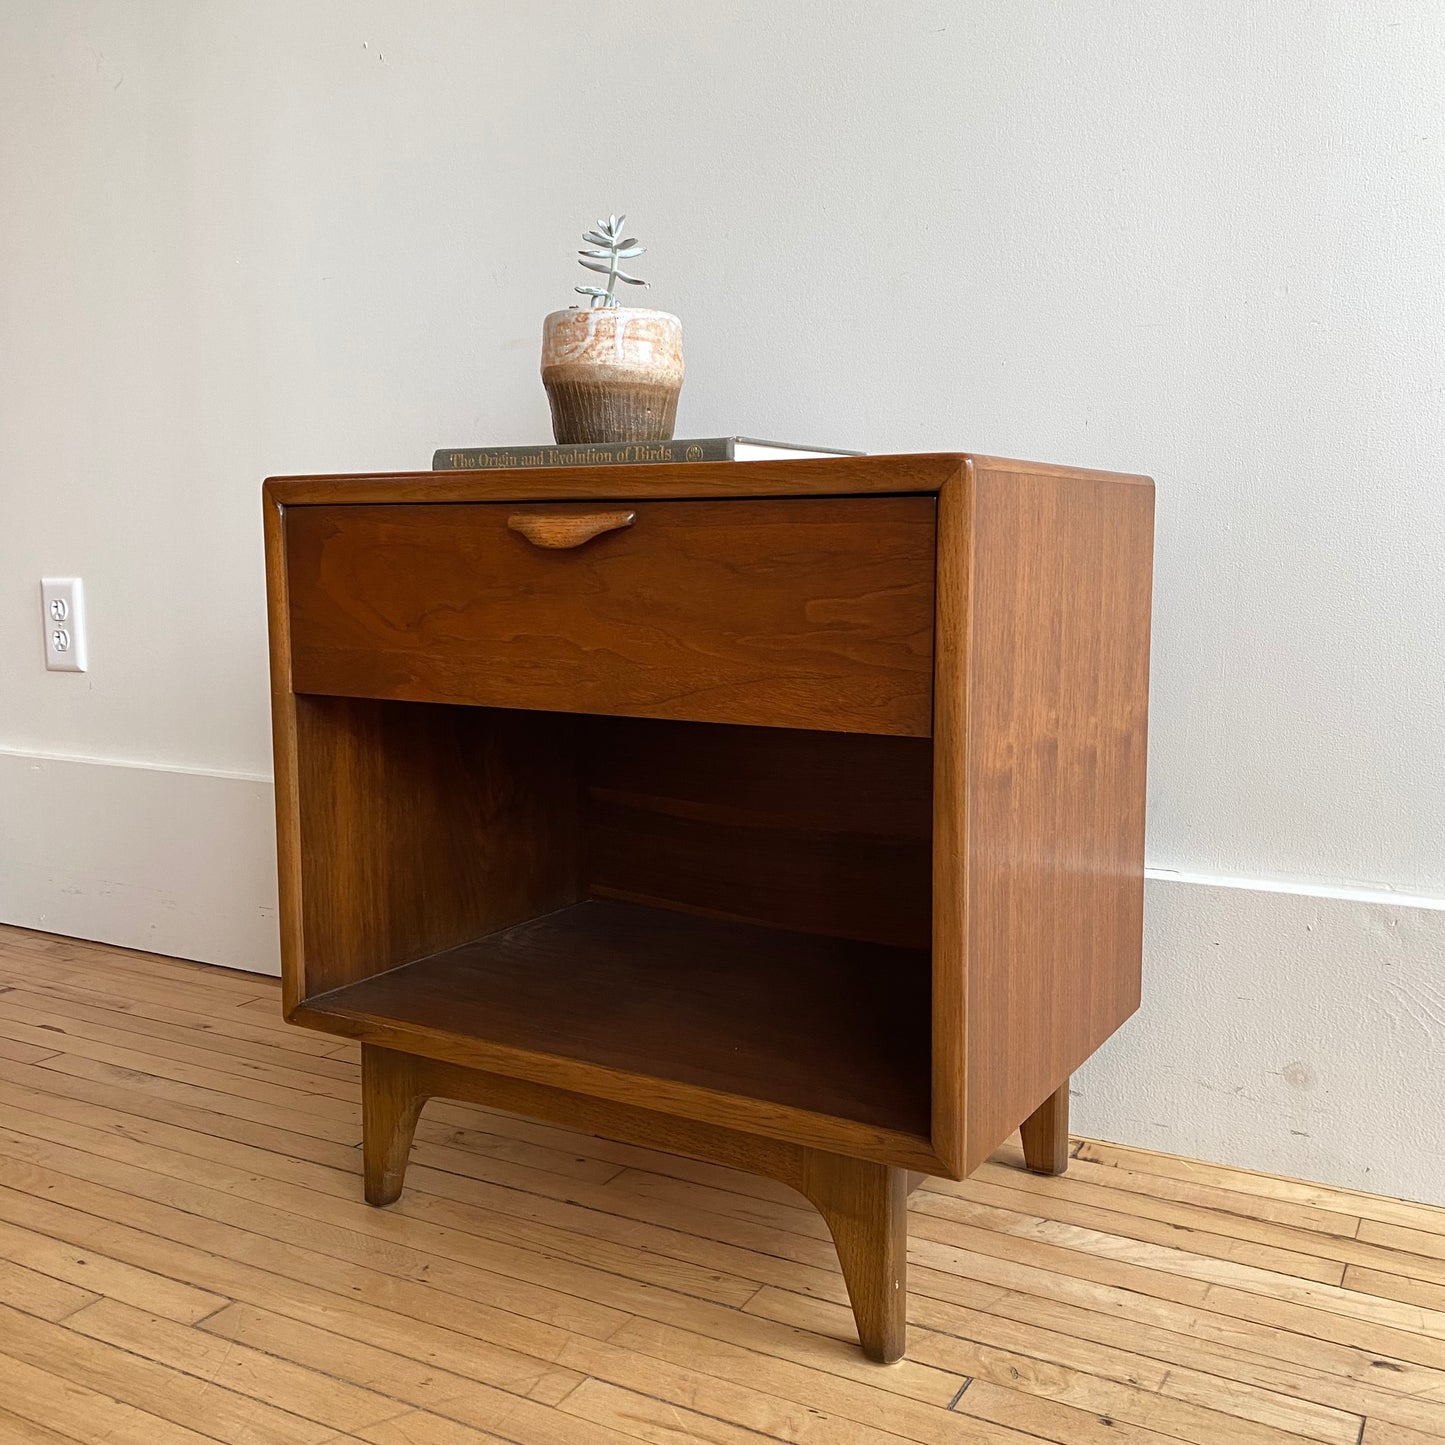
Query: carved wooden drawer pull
{"x": 567, "y": 529}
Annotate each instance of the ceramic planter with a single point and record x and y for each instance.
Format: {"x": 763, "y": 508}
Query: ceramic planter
{"x": 612, "y": 373}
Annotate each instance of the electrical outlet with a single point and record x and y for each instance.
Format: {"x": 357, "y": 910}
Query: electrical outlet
{"x": 62, "y": 609}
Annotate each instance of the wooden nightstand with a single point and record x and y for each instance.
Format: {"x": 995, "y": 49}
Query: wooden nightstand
{"x": 785, "y": 814}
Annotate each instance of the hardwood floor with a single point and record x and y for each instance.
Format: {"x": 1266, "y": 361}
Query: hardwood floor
{"x": 185, "y": 1257}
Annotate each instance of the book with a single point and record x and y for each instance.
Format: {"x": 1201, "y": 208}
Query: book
{"x": 601, "y": 454}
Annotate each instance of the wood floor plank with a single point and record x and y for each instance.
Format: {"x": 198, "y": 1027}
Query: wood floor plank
{"x": 1374, "y": 1246}
{"x": 279, "y": 1277}
{"x": 164, "y": 1142}
{"x": 454, "y": 1238}
{"x": 181, "y": 987}
{"x": 130, "y": 1050}
{"x": 1379, "y": 1432}
{"x": 221, "y": 982}
{"x": 1139, "y": 1397}
{"x": 1042, "y": 1287}
{"x": 339, "y": 1231}
{"x": 524, "y": 1421}
{"x": 583, "y": 1357}
{"x": 980, "y": 1412}
{"x": 25, "y": 1053}
{"x": 358, "y": 1239}
{"x": 1405, "y": 1240}
{"x": 1270, "y": 1186}
{"x": 1210, "y": 1382}
{"x": 184, "y": 1257}
{"x": 1193, "y": 1236}
{"x": 1239, "y": 1353}
{"x": 1252, "y": 1305}
{"x": 428, "y": 1386}
{"x": 419, "y": 1428}
{"x": 322, "y": 1118}
{"x": 564, "y": 1205}
{"x": 207, "y": 1020}
{"x": 91, "y": 1271}
{"x": 14, "y": 1430}
{"x": 630, "y": 1415}
{"x": 189, "y": 1403}
{"x": 457, "y": 1144}
{"x": 310, "y": 1393}
{"x": 1426, "y": 1293}
{"x": 49, "y": 1400}
{"x": 50, "y": 1012}
{"x": 415, "y": 1328}
{"x": 340, "y": 1124}
{"x": 40, "y": 1294}
{"x": 1183, "y": 1258}
{"x": 1139, "y": 1189}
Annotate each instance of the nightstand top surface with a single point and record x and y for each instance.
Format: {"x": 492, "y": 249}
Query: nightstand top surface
{"x": 822, "y": 476}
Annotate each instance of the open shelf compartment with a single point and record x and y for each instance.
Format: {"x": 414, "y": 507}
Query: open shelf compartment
{"x": 828, "y": 1025}
{"x": 578, "y": 899}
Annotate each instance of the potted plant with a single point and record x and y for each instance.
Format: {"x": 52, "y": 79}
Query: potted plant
{"x": 613, "y": 373}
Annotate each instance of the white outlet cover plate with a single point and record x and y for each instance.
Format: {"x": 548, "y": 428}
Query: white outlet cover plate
{"x": 62, "y": 613}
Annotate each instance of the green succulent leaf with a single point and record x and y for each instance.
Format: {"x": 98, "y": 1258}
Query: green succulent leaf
{"x": 597, "y": 266}
{"x": 600, "y": 251}
{"x": 629, "y": 250}
{"x": 631, "y": 280}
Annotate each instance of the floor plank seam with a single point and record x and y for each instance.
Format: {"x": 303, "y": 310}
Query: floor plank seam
{"x": 672, "y": 1405}
{"x": 745, "y": 1305}
{"x": 212, "y": 1378}
{"x": 220, "y": 1309}
{"x": 148, "y": 1361}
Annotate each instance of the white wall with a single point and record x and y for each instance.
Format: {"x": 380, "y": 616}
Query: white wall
{"x": 250, "y": 236}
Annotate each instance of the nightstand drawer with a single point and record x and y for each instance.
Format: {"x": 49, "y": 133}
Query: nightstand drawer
{"x": 783, "y": 612}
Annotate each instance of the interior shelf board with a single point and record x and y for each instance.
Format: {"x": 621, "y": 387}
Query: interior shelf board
{"x": 829, "y": 1025}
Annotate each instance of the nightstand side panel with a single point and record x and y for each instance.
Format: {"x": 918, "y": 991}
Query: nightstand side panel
{"x": 1057, "y": 699}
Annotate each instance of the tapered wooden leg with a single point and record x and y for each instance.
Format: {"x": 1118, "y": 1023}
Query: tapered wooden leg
{"x": 866, "y": 1209}
{"x": 391, "y": 1101}
{"x": 1046, "y": 1134}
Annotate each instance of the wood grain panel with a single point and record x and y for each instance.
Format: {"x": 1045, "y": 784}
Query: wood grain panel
{"x": 950, "y": 812}
{"x": 829, "y": 1027}
{"x": 814, "y": 613}
{"x": 921, "y": 472}
{"x": 283, "y": 751}
{"x": 422, "y": 827}
{"x": 1056, "y": 708}
{"x": 821, "y": 832}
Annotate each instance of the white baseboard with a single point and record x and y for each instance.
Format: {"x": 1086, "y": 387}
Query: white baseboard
{"x": 170, "y": 860}
{"x": 1291, "y": 1028}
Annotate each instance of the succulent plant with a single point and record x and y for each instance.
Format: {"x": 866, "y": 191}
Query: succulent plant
{"x": 607, "y": 247}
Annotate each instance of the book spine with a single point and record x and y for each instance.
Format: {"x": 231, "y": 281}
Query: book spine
{"x": 599, "y": 454}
